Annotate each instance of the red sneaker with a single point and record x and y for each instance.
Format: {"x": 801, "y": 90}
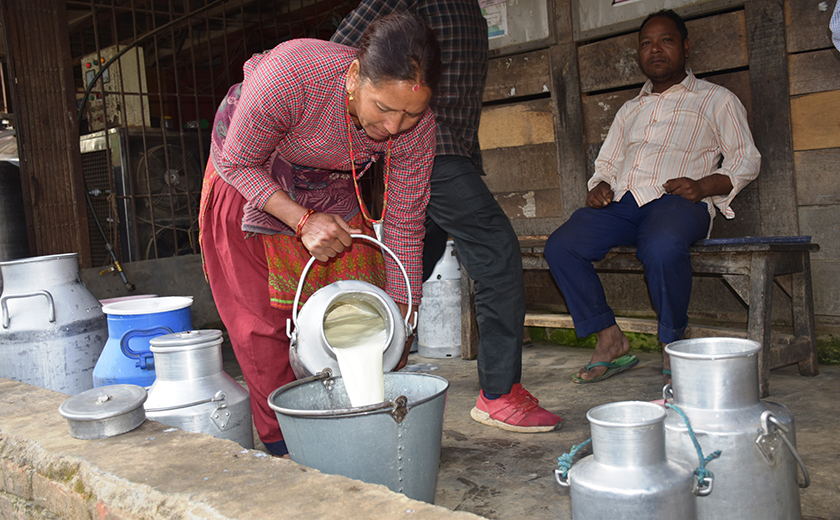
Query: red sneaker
{"x": 518, "y": 411}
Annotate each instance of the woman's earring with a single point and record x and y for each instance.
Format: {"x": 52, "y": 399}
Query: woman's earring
{"x": 350, "y": 96}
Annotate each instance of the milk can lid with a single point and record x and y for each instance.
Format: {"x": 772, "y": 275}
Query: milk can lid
{"x": 153, "y": 305}
{"x": 104, "y": 402}
{"x": 186, "y": 338}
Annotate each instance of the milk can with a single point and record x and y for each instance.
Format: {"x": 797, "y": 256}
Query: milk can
{"x": 628, "y": 476}
{"x": 439, "y": 316}
{"x": 715, "y": 383}
{"x": 192, "y": 391}
{"x": 126, "y": 358}
{"x": 53, "y": 329}
{"x": 309, "y": 350}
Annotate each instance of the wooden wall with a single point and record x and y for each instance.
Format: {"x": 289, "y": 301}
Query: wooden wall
{"x": 518, "y": 142}
{"x": 814, "y": 73}
{"x": 547, "y": 113}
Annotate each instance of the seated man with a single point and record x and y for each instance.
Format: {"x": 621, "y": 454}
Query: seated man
{"x": 656, "y": 178}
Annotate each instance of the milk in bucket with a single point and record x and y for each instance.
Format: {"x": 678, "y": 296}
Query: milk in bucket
{"x": 357, "y": 333}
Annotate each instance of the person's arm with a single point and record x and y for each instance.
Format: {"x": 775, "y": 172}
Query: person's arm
{"x": 354, "y": 24}
{"x": 695, "y": 191}
{"x": 741, "y": 160}
{"x": 408, "y": 195}
{"x": 609, "y": 160}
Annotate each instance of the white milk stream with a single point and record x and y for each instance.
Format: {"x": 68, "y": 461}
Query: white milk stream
{"x": 357, "y": 334}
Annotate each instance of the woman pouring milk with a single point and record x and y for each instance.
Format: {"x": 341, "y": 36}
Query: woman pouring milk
{"x": 288, "y": 145}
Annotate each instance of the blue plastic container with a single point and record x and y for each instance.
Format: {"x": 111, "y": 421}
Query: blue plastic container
{"x": 127, "y": 358}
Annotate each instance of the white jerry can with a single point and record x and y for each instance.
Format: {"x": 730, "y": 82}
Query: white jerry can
{"x": 439, "y": 314}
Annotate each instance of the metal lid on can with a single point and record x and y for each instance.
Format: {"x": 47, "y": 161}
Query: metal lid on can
{"x": 104, "y": 402}
{"x": 187, "y": 338}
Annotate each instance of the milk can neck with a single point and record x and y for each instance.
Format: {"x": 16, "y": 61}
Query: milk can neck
{"x": 721, "y": 384}
{"x": 715, "y": 374}
{"x": 629, "y": 446}
{"x": 179, "y": 363}
{"x": 39, "y": 272}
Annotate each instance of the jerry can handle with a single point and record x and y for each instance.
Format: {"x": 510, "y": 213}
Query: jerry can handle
{"x": 408, "y": 326}
{"x": 145, "y": 358}
{"x": 7, "y": 317}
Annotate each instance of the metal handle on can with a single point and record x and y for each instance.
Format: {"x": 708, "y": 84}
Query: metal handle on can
{"x": 667, "y": 392}
{"x": 558, "y": 476}
{"x": 7, "y": 318}
{"x": 702, "y": 488}
{"x": 218, "y": 396}
{"x": 408, "y": 326}
{"x": 768, "y": 418}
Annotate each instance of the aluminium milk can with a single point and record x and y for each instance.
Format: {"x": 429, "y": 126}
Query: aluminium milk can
{"x": 53, "y": 329}
{"x": 192, "y": 391}
{"x": 309, "y": 350}
{"x": 628, "y": 476}
{"x": 439, "y": 316}
{"x": 715, "y": 382}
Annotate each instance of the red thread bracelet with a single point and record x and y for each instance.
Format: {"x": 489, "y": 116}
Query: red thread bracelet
{"x": 302, "y": 222}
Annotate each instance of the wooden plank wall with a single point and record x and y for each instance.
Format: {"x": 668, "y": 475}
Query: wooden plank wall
{"x": 814, "y": 85}
{"x": 518, "y": 141}
{"x": 531, "y": 131}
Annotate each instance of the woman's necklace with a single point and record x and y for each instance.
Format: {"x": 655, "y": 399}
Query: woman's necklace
{"x": 377, "y": 224}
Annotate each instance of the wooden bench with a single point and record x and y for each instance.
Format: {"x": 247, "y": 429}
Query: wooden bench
{"x": 750, "y": 266}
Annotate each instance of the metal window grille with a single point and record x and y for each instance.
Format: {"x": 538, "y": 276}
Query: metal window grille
{"x": 153, "y": 107}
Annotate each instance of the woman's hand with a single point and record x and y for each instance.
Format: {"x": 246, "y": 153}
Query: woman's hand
{"x": 325, "y": 235}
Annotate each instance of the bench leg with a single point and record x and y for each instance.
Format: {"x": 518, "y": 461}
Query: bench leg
{"x": 760, "y": 314}
{"x": 804, "y": 329}
{"x": 469, "y": 325}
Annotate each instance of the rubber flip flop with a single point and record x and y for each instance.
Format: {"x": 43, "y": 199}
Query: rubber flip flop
{"x": 616, "y": 366}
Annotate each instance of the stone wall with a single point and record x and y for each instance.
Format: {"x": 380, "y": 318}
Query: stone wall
{"x": 158, "y": 472}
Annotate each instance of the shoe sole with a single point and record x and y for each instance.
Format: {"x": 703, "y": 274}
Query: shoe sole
{"x": 484, "y": 418}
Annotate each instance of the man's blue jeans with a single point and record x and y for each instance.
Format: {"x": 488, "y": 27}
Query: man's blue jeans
{"x": 662, "y": 230}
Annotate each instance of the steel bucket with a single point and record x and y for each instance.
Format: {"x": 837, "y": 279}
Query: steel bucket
{"x": 127, "y": 358}
{"x": 192, "y": 391}
{"x": 395, "y": 443}
{"x": 628, "y": 475}
{"x": 53, "y": 329}
{"x": 309, "y": 350}
{"x": 715, "y": 383}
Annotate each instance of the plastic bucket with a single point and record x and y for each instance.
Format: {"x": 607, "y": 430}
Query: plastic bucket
{"x": 127, "y": 358}
{"x": 395, "y": 443}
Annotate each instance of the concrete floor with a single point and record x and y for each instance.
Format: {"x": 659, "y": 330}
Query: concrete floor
{"x": 504, "y": 475}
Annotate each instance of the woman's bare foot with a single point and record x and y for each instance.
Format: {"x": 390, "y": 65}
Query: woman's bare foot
{"x": 612, "y": 344}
